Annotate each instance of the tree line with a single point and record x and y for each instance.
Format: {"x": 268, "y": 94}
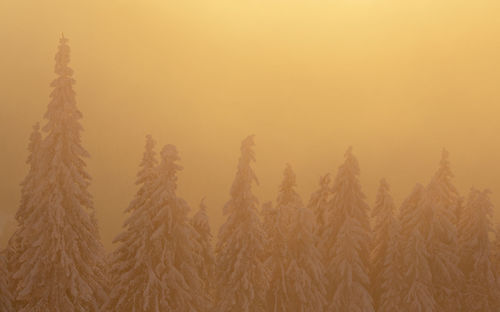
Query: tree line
{"x": 334, "y": 253}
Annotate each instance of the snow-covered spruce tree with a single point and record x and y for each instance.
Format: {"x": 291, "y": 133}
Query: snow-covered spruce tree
{"x": 306, "y": 282}
{"x": 280, "y": 295}
{"x": 206, "y": 257}
{"x": 417, "y": 292}
{"x": 276, "y": 260}
{"x": 5, "y": 294}
{"x": 418, "y": 295}
{"x": 347, "y": 241}
{"x": 351, "y": 274}
{"x": 126, "y": 267}
{"x": 392, "y": 273}
{"x": 60, "y": 265}
{"x": 409, "y": 208}
{"x": 241, "y": 277}
{"x": 385, "y": 257}
{"x": 14, "y": 248}
{"x": 288, "y": 201}
{"x": 481, "y": 291}
{"x": 441, "y": 201}
{"x": 318, "y": 204}
{"x": 161, "y": 272}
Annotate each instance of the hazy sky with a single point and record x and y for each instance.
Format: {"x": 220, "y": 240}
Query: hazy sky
{"x": 397, "y": 80}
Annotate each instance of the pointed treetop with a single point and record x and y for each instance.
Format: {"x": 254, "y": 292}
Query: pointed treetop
{"x": 289, "y": 178}
{"x": 351, "y": 161}
{"x": 62, "y": 58}
{"x": 348, "y": 152}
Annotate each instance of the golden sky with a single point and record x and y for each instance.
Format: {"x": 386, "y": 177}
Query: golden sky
{"x": 397, "y": 80}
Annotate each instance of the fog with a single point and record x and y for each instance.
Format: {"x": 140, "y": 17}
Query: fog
{"x": 398, "y": 81}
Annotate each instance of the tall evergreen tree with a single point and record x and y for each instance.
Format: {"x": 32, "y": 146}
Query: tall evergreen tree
{"x": 392, "y": 283}
{"x": 281, "y": 294}
{"x": 60, "y": 267}
{"x": 161, "y": 272}
{"x": 347, "y": 242}
{"x": 288, "y": 201}
{"x": 318, "y": 203}
{"x": 385, "y": 264}
{"x": 127, "y": 267}
{"x": 5, "y": 294}
{"x": 276, "y": 261}
{"x": 418, "y": 293}
{"x": 206, "y": 257}
{"x": 28, "y": 186}
{"x": 441, "y": 201}
{"x": 306, "y": 282}
{"x": 481, "y": 291}
{"x": 241, "y": 277}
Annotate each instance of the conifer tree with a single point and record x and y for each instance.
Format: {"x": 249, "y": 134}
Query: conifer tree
{"x": 241, "y": 277}
{"x": 126, "y": 267}
{"x": 5, "y": 294}
{"x": 28, "y": 186}
{"x": 306, "y": 282}
{"x": 418, "y": 291}
{"x": 347, "y": 242}
{"x": 392, "y": 283}
{"x": 418, "y": 295}
{"x": 441, "y": 201}
{"x": 385, "y": 264}
{"x": 318, "y": 203}
{"x": 481, "y": 291}
{"x": 61, "y": 261}
{"x": 160, "y": 272}
{"x": 206, "y": 257}
{"x": 288, "y": 201}
{"x": 276, "y": 261}
{"x": 281, "y": 295}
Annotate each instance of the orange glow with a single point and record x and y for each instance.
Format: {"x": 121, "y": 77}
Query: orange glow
{"x": 397, "y": 80}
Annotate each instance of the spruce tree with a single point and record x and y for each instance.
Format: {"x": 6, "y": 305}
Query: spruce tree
{"x": 418, "y": 296}
{"x": 347, "y": 242}
{"x": 160, "y": 272}
{"x": 61, "y": 261}
{"x": 28, "y": 186}
{"x": 417, "y": 288}
{"x": 306, "y": 282}
{"x": 281, "y": 294}
{"x": 385, "y": 256}
{"x": 441, "y": 202}
{"x": 276, "y": 261}
{"x": 125, "y": 265}
{"x": 206, "y": 257}
{"x": 241, "y": 277}
{"x": 288, "y": 201}
{"x": 481, "y": 291}
{"x": 318, "y": 204}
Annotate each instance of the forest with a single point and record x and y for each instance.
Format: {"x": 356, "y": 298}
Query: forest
{"x": 438, "y": 251}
